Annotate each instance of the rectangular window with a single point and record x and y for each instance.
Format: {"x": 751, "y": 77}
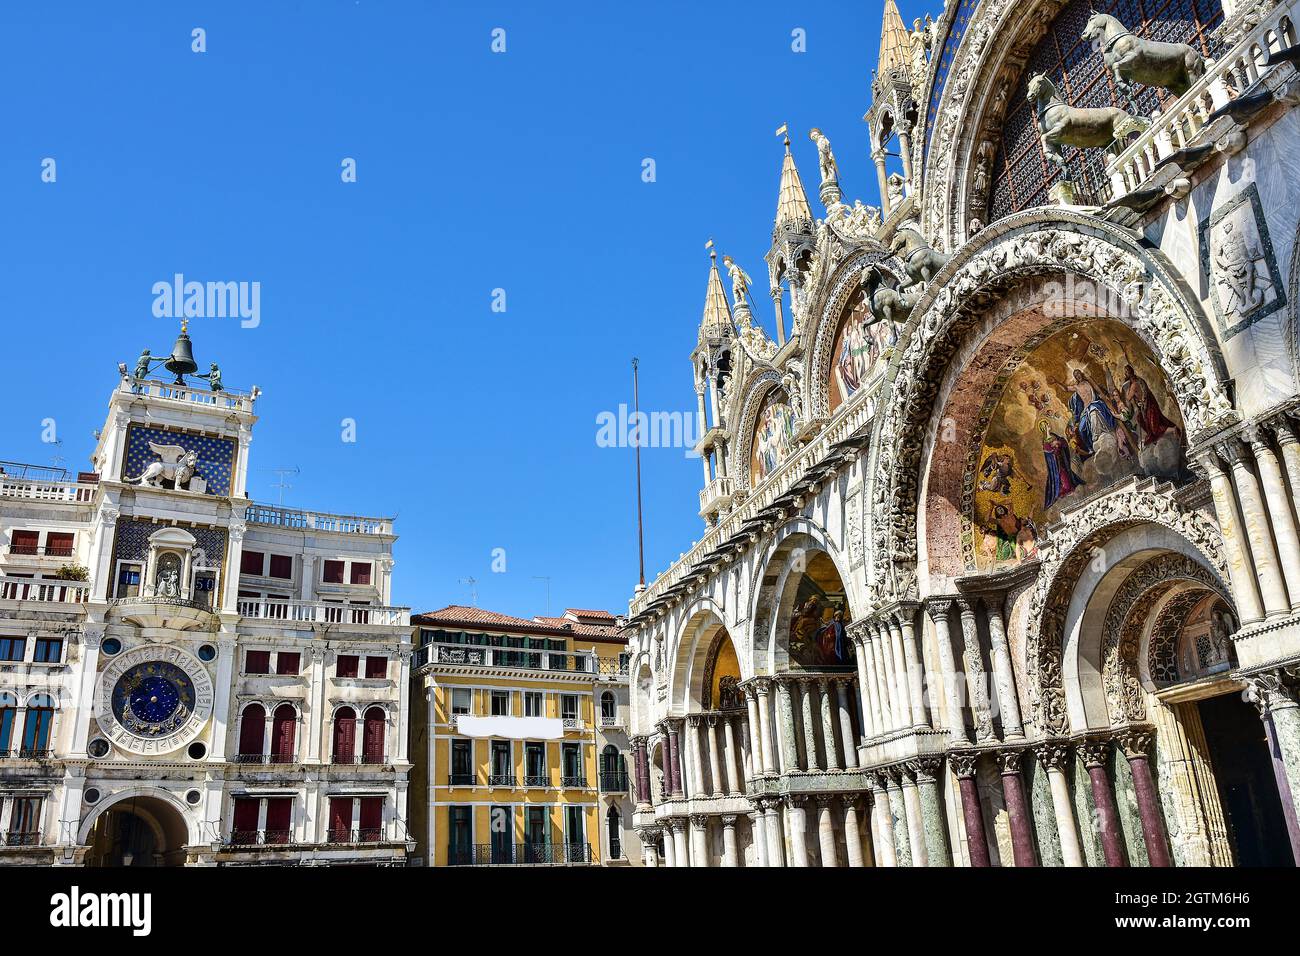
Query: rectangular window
{"x": 460, "y": 847}
{"x": 461, "y": 700}
{"x": 569, "y": 706}
{"x": 333, "y": 573}
{"x": 537, "y": 828}
{"x": 281, "y": 566}
{"x": 533, "y": 703}
{"x": 462, "y": 763}
{"x": 376, "y": 668}
{"x": 340, "y": 822}
{"x": 250, "y": 562}
{"x": 48, "y": 650}
{"x": 286, "y": 663}
{"x": 128, "y": 580}
{"x": 360, "y": 572}
{"x": 575, "y": 833}
{"x": 502, "y": 772}
{"x": 12, "y": 648}
{"x": 244, "y": 826}
{"x": 372, "y": 819}
{"x": 501, "y": 826}
{"x": 24, "y": 542}
{"x": 535, "y": 765}
{"x": 257, "y": 662}
{"x": 571, "y": 766}
{"x": 25, "y": 820}
{"x": 279, "y": 819}
{"x": 500, "y": 703}
{"x": 58, "y": 544}
{"x": 347, "y": 665}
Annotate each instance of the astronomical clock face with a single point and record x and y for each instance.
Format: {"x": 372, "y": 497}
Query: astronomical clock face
{"x": 153, "y": 700}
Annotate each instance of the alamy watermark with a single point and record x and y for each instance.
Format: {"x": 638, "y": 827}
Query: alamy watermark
{"x": 181, "y": 299}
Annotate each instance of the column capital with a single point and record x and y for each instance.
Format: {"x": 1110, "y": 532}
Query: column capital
{"x": 824, "y": 800}
{"x": 1135, "y": 741}
{"x": 647, "y": 835}
{"x": 1269, "y": 690}
{"x": 1053, "y": 754}
{"x": 1009, "y": 760}
{"x": 963, "y": 762}
{"x": 728, "y": 820}
{"x": 939, "y": 606}
{"x": 927, "y": 768}
{"x": 795, "y": 801}
{"x": 699, "y": 821}
{"x": 1233, "y": 452}
{"x": 1094, "y": 751}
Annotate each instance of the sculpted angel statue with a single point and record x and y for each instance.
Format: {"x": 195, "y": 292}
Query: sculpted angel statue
{"x": 825, "y": 158}
{"x": 739, "y": 281}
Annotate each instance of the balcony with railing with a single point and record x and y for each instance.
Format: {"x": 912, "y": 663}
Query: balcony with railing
{"x": 41, "y": 551}
{"x": 613, "y": 781}
{"x": 515, "y": 658}
{"x": 1181, "y": 135}
{"x": 293, "y": 518}
{"x": 458, "y": 779}
{"x": 271, "y": 759}
{"x": 520, "y": 854}
{"x": 577, "y": 781}
{"x": 353, "y": 836}
{"x": 537, "y": 780}
{"x": 184, "y": 395}
{"x": 42, "y": 483}
{"x": 20, "y": 838}
{"x": 323, "y": 612}
{"x": 44, "y": 590}
{"x": 259, "y": 837}
{"x": 372, "y": 758}
{"x": 502, "y": 780}
{"x": 715, "y": 497}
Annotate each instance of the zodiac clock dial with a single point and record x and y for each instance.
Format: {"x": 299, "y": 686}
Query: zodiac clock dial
{"x": 154, "y": 699}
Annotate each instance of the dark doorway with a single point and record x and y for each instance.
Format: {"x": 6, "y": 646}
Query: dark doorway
{"x": 1243, "y": 772}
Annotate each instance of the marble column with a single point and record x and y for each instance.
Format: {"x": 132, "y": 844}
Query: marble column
{"x": 755, "y": 729}
{"x": 1245, "y": 588}
{"x": 846, "y": 724}
{"x": 904, "y": 625}
{"x": 1289, "y": 442}
{"x": 648, "y": 837}
{"x": 681, "y": 854}
{"x": 878, "y": 155}
{"x": 852, "y": 833}
{"x": 733, "y": 777}
{"x": 898, "y": 817}
{"x": 730, "y": 858}
{"x": 1013, "y": 793}
{"x": 709, "y": 731}
{"x": 1263, "y": 555}
{"x": 807, "y": 691}
{"x": 963, "y": 765}
{"x": 1135, "y": 742}
{"x": 1054, "y": 758}
{"x": 883, "y": 821}
{"x": 1274, "y": 695}
{"x": 952, "y": 694}
{"x": 670, "y": 849}
{"x": 975, "y": 673}
{"x": 1004, "y": 674}
{"x": 797, "y": 826}
{"x": 902, "y": 673}
{"x": 699, "y": 839}
{"x": 926, "y": 770}
{"x": 775, "y": 840}
{"x": 674, "y": 760}
{"x": 879, "y": 702}
{"x": 758, "y": 831}
{"x": 1093, "y": 753}
{"x": 1279, "y": 509}
{"x": 865, "y": 689}
{"x": 826, "y": 689}
{"x": 766, "y": 748}
{"x": 693, "y": 745}
{"x": 826, "y": 830}
{"x": 912, "y": 810}
{"x": 785, "y": 721}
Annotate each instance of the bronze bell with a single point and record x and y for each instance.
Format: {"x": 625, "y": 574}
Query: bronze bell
{"x": 181, "y": 361}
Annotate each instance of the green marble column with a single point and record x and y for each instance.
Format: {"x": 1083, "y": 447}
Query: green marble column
{"x": 927, "y": 770}
{"x": 1043, "y": 809}
{"x": 898, "y": 814}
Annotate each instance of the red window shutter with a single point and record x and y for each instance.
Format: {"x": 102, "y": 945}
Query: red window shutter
{"x": 360, "y": 572}
{"x": 252, "y": 730}
{"x": 257, "y": 662}
{"x": 345, "y": 735}
{"x": 283, "y": 728}
{"x": 347, "y": 665}
{"x": 58, "y": 544}
{"x": 340, "y": 817}
{"x": 287, "y": 663}
{"x": 333, "y": 573}
{"x": 246, "y": 814}
{"x": 281, "y": 566}
{"x": 375, "y": 732}
{"x": 372, "y": 813}
{"x": 250, "y": 562}
{"x": 279, "y": 813}
{"x": 23, "y": 542}
{"x": 377, "y": 667}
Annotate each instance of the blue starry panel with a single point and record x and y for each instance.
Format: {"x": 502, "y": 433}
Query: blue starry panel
{"x": 132, "y": 542}
{"x": 216, "y": 455}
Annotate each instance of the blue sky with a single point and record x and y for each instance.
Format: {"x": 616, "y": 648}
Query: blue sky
{"x": 475, "y": 171}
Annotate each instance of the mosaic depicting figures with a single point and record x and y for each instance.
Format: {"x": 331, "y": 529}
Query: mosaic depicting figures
{"x": 858, "y": 344}
{"x": 817, "y": 625}
{"x": 1088, "y": 407}
{"x": 774, "y": 437}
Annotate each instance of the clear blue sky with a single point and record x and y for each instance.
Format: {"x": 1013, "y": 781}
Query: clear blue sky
{"x": 475, "y": 171}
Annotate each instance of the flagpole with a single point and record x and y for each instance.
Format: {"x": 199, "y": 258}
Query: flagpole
{"x": 636, "y": 442}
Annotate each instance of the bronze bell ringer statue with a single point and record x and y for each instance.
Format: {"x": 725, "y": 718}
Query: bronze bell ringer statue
{"x": 180, "y": 362}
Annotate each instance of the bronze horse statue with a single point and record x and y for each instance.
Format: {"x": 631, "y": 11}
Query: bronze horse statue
{"x": 1060, "y": 124}
{"x": 1132, "y": 59}
{"x": 884, "y": 301}
{"x": 919, "y": 258}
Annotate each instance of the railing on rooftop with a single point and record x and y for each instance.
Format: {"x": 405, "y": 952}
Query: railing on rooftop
{"x": 44, "y": 590}
{"x": 169, "y": 391}
{"x": 316, "y": 520}
{"x": 44, "y": 489}
{"x": 323, "y": 612}
{"x": 480, "y": 655}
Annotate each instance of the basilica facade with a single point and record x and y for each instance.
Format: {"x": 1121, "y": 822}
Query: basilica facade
{"x": 188, "y": 676}
{"x": 1001, "y": 494}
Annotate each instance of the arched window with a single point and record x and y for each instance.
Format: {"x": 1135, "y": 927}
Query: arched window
{"x": 283, "y": 728}
{"x": 613, "y": 770}
{"x": 252, "y": 732}
{"x": 614, "y": 824}
{"x": 8, "y": 714}
{"x": 36, "y": 726}
{"x": 375, "y": 734}
{"x": 345, "y": 735}
{"x": 608, "y": 706}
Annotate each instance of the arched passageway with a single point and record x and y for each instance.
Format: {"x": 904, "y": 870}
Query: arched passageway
{"x": 138, "y": 831}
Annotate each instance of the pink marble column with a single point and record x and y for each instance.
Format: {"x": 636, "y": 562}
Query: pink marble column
{"x": 1013, "y": 791}
{"x": 1094, "y": 754}
{"x": 963, "y": 765}
{"x": 674, "y": 761}
{"x": 1136, "y": 744}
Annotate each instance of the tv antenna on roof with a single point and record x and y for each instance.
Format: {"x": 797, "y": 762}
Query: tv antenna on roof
{"x": 473, "y": 589}
{"x": 282, "y": 484}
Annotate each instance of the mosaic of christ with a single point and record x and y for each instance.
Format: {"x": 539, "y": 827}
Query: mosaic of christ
{"x": 818, "y": 636}
{"x": 774, "y": 437}
{"x": 857, "y": 347}
{"x": 1088, "y": 407}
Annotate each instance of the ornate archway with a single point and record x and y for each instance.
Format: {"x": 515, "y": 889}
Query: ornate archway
{"x": 137, "y": 828}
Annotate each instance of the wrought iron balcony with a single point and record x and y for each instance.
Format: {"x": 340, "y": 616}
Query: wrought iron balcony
{"x": 339, "y": 835}
{"x": 520, "y": 854}
{"x": 266, "y": 758}
{"x": 48, "y": 551}
{"x": 460, "y": 779}
{"x": 361, "y": 759}
{"x": 537, "y": 780}
{"x": 578, "y": 781}
{"x": 29, "y": 753}
{"x": 501, "y": 780}
{"x": 18, "y": 838}
{"x": 613, "y": 781}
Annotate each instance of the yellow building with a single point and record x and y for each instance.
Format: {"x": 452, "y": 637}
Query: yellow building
{"x": 522, "y": 739}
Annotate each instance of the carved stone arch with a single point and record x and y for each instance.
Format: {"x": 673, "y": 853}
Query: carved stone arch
{"x": 770, "y": 597}
{"x": 186, "y": 816}
{"x": 843, "y": 286}
{"x": 1066, "y": 555}
{"x": 702, "y": 621}
{"x": 756, "y": 392}
{"x": 1147, "y": 296}
{"x": 642, "y": 693}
